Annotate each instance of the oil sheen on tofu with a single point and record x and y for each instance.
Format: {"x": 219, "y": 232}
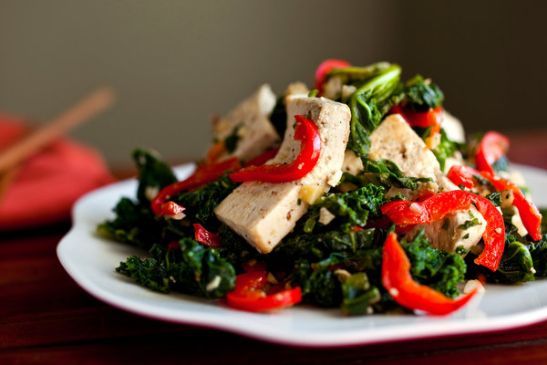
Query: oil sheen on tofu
{"x": 264, "y": 213}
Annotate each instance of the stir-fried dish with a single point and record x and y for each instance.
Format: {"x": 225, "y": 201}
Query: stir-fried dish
{"x": 362, "y": 193}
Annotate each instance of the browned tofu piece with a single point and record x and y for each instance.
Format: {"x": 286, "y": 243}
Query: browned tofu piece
{"x": 250, "y": 122}
{"x": 395, "y": 140}
{"x": 264, "y": 213}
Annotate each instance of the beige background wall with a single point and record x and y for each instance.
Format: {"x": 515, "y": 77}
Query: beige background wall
{"x": 174, "y": 63}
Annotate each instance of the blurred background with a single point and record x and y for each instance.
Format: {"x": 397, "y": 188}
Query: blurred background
{"x": 175, "y": 63}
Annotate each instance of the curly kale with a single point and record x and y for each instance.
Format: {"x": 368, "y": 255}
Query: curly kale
{"x": 387, "y": 173}
{"x": 445, "y": 149}
{"x": 358, "y": 295}
{"x": 368, "y": 104}
{"x": 154, "y": 174}
{"x": 438, "y": 269}
{"x": 133, "y": 224}
{"x": 351, "y": 208}
{"x": 421, "y": 94}
{"x": 538, "y": 251}
{"x": 192, "y": 268}
{"x": 200, "y": 203}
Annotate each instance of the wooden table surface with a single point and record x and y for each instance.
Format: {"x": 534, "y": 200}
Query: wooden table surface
{"x": 45, "y": 318}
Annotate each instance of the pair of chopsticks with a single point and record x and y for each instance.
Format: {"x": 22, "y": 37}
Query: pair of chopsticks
{"x": 84, "y": 110}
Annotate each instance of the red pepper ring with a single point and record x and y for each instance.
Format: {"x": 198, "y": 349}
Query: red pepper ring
{"x": 438, "y": 206}
{"x": 461, "y": 176}
{"x": 161, "y": 204}
{"x": 491, "y": 148}
{"x": 250, "y": 295}
{"x": 310, "y": 148}
{"x": 205, "y": 237}
{"x": 398, "y": 281}
{"x": 529, "y": 214}
{"x": 324, "y": 69}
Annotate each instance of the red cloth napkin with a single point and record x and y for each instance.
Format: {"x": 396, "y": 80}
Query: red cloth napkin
{"x": 46, "y": 185}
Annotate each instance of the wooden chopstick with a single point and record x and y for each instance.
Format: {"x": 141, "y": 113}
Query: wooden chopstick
{"x": 88, "y": 107}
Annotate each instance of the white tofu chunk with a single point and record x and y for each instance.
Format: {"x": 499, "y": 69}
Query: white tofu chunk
{"x": 395, "y": 140}
{"x": 296, "y": 88}
{"x": 461, "y": 229}
{"x": 250, "y": 119}
{"x": 352, "y": 163}
{"x": 264, "y": 213}
{"x": 453, "y": 128}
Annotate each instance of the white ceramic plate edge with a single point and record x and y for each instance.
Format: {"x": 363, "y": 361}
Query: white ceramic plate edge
{"x": 248, "y": 325}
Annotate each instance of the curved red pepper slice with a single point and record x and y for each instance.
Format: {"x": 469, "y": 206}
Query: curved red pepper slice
{"x": 428, "y": 119}
{"x": 438, "y": 206}
{"x": 398, "y": 281}
{"x": 162, "y": 206}
{"x": 205, "y": 237}
{"x": 460, "y": 176}
{"x": 529, "y": 214}
{"x": 250, "y": 294}
{"x": 305, "y": 131}
{"x": 491, "y": 148}
{"x": 324, "y": 69}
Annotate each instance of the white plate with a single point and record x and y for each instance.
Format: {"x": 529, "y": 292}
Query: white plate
{"x": 90, "y": 261}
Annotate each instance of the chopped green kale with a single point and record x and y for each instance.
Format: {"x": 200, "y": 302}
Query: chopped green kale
{"x": 421, "y": 94}
{"x": 192, "y": 268}
{"x": 200, "y": 203}
{"x": 445, "y": 149}
{"x": 368, "y": 104}
{"x": 438, "y": 269}
{"x": 154, "y": 174}
{"x": 387, "y": 173}
{"x": 352, "y": 207}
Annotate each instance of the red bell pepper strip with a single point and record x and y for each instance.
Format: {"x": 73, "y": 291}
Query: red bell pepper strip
{"x": 490, "y": 149}
{"x": 324, "y": 69}
{"x": 529, "y": 214}
{"x": 438, "y": 206}
{"x": 428, "y": 119}
{"x": 462, "y": 176}
{"x": 205, "y": 237}
{"x": 250, "y": 294}
{"x": 161, "y": 204}
{"x": 305, "y": 131}
{"x": 263, "y": 158}
{"x": 398, "y": 281}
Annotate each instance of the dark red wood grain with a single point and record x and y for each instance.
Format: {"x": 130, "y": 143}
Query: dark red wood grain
{"x": 45, "y": 318}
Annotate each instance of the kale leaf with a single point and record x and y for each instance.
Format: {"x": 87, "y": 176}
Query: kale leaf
{"x": 368, "y": 104}
{"x": 154, "y": 174}
{"x": 445, "y": 149}
{"x": 421, "y": 94}
{"x": 231, "y": 141}
{"x": 133, "y": 224}
{"x": 538, "y": 251}
{"x": 278, "y": 117}
{"x": 200, "y": 203}
{"x": 352, "y": 207}
{"x": 438, "y": 269}
{"x": 358, "y": 295}
{"x": 192, "y": 269}
{"x": 387, "y": 173}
